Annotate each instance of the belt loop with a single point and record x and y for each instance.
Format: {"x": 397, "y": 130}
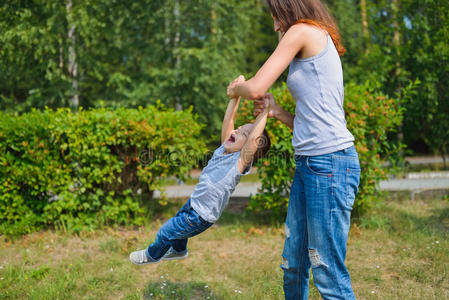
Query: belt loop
{"x": 345, "y": 150}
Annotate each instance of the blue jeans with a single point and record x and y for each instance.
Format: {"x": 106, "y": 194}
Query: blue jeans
{"x": 175, "y": 232}
{"x": 317, "y": 224}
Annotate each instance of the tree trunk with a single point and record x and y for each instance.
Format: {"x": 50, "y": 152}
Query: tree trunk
{"x": 443, "y": 155}
{"x": 397, "y": 71}
{"x": 396, "y": 34}
{"x": 178, "y": 105}
{"x": 365, "y": 29}
{"x": 213, "y": 19}
{"x": 73, "y": 65}
{"x": 61, "y": 58}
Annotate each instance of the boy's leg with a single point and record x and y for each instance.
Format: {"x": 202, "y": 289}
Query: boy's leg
{"x": 185, "y": 224}
{"x": 161, "y": 245}
{"x": 180, "y": 245}
{"x": 178, "y": 250}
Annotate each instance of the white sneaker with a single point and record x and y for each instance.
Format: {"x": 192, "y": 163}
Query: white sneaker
{"x": 140, "y": 258}
{"x": 173, "y": 254}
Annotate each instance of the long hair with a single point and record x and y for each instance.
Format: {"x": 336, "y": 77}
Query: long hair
{"x": 313, "y": 12}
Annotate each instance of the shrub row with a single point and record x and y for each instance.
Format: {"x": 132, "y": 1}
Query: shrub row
{"x": 85, "y": 168}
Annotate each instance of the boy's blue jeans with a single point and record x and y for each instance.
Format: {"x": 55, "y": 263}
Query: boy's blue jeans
{"x": 175, "y": 232}
{"x": 317, "y": 224}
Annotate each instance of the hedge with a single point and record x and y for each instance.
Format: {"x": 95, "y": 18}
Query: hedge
{"x": 90, "y": 167}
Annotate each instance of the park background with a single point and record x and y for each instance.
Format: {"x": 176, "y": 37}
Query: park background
{"x": 105, "y": 102}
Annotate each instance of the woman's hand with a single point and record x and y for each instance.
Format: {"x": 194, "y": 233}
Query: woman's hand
{"x": 230, "y": 90}
{"x": 267, "y": 102}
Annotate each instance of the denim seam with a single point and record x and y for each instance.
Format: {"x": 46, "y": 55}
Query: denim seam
{"x": 332, "y": 264}
{"x": 330, "y": 237}
{"x": 301, "y": 261}
{"x": 333, "y": 206}
{"x": 347, "y": 188}
{"x": 331, "y": 213}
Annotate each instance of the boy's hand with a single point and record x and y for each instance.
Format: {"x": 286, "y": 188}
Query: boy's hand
{"x": 266, "y": 103}
{"x": 230, "y": 90}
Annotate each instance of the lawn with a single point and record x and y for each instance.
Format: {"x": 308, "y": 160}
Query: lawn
{"x": 400, "y": 251}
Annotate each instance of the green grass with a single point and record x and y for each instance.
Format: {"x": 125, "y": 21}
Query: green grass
{"x": 399, "y": 251}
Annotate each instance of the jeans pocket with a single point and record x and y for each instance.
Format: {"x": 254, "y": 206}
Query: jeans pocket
{"x": 320, "y": 165}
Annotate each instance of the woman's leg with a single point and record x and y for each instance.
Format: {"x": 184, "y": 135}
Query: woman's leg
{"x": 295, "y": 258}
{"x": 331, "y": 182}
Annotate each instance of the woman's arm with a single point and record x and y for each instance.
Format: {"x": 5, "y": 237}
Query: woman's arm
{"x": 289, "y": 46}
{"x": 285, "y": 117}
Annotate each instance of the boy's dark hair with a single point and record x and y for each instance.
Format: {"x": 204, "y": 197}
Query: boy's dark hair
{"x": 264, "y": 144}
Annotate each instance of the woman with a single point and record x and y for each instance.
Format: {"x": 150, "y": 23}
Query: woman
{"x": 327, "y": 166}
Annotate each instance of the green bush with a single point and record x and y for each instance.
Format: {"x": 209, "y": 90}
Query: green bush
{"x": 370, "y": 117}
{"x": 90, "y": 168}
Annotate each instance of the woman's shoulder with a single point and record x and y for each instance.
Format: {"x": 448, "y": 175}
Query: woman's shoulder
{"x": 313, "y": 38}
{"x": 307, "y": 30}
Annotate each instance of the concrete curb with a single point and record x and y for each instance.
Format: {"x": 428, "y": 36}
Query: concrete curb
{"x": 246, "y": 189}
{"x": 426, "y": 175}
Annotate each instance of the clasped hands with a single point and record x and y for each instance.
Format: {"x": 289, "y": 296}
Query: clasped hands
{"x": 267, "y": 101}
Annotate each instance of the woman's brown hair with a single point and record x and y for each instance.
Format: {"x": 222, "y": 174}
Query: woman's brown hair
{"x": 313, "y": 12}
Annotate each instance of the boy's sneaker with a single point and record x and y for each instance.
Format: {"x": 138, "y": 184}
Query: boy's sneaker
{"x": 173, "y": 254}
{"x": 140, "y": 258}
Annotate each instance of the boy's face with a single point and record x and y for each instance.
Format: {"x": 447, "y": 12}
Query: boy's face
{"x": 237, "y": 139}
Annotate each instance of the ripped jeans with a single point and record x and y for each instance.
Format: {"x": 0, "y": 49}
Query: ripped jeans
{"x": 317, "y": 224}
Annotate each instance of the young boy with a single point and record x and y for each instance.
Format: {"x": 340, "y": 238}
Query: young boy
{"x": 229, "y": 162}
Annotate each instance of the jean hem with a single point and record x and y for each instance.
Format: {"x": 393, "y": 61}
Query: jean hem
{"x": 149, "y": 256}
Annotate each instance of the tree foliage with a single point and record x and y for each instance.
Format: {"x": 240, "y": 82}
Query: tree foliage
{"x": 409, "y": 43}
{"x": 128, "y": 54}
{"x": 185, "y": 52}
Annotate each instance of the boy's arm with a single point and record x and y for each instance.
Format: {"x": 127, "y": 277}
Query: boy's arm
{"x": 231, "y": 111}
{"x": 254, "y": 138}
{"x": 228, "y": 121}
